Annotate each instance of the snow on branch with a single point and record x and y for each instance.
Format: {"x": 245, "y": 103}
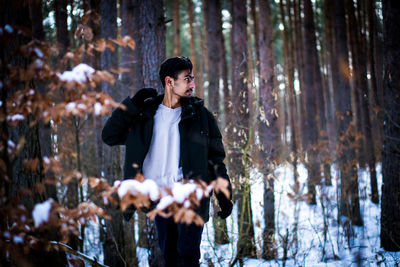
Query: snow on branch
{"x": 178, "y": 201}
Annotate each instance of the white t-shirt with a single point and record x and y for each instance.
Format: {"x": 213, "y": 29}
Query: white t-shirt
{"x": 161, "y": 163}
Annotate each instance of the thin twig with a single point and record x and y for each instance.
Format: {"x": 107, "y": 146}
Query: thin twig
{"x": 78, "y": 254}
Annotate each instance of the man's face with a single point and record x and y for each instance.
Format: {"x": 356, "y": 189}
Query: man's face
{"x": 184, "y": 84}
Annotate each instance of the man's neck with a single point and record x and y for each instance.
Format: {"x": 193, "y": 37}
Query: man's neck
{"x": 171, "y": 101}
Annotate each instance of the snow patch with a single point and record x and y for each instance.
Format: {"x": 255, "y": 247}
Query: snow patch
{"x": 8, "y": 28}
{"x": 41, "y": 212}
{"x": 79, "y": 73}
{"x": 16, "y": 117}
{"x": 97, "y": 109}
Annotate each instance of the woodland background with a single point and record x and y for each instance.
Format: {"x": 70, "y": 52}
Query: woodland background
{"x": 311, "y": 87}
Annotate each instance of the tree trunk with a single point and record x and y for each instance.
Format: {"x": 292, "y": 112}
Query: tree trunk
{"x": 127, "y": 54}
{"x": 311, "y": 70}
{"x": 19, "y": 184}
{"x": 191, "y": 19}
{"x": 300, "y": 69}
{"x": 149, "y": 35}
{"x": 114, "y": 253}
{"x": 288, "y": 53}
{"x": 390, "y": 216}
{"x": 349, "y": 200}
{"x": 240, "y": 130}
{"x": 35, "y": 10}
{"x": 60, "y": 7}
{"x": 177, "y": 27}
{"x": 360, "y": 82}
{"x": 213, "y": 24}
{"x": 268, "y": 129}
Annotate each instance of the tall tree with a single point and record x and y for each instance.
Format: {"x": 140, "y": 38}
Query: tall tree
{"x": 240, "y": 129}
{"x": 212, "y": 11}
{"x": 149, "y": 35}
{"x": 299, "y": 50}
{"x": 390, "y": 218}
{"x": 177, "y": 27}
{"x": 18, "y": 177}
{"x": 127, "y": 89}
{"x": 36, "y": 15}
{"x": 360, "y": 82}
{"x": 288, "y": 54}
{"x": 312, "y": 102}
{"x": 127, "y": 54}
{"x": 268, "y": 129}
{"x": 60, "y": 8}
{"x": 113, "y": 244}
{"x": 349, "y": 200}
{"x": 212, "y": 14}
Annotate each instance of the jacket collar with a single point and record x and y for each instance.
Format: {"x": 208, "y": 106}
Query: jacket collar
{"x": 190, "y": 105}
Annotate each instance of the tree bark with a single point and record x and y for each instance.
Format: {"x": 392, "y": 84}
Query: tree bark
{"x": 268, "y": 129}
{"x": 213, "y": 26}
{"x": 311, "y": 92}
{"x": 349, "y": 200}
{"x": 149, "y": 35}
{"x": 177, "y": 27}
{"x": 390, "y": 216}
{"x": 127, "y": 54}
{"x": 240, "y": 129}
{"x": 360, "y": 83}
{"x": 114, "y": 253}
{"x": 18, "y": 179}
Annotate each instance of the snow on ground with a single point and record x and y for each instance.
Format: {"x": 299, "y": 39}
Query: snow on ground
{"x": 308, "y": 246}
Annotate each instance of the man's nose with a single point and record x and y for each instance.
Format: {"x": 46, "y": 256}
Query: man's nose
{"x": 191, "y": 84}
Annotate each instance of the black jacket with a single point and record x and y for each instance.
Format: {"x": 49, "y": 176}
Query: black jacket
{"x": 201, "y": 149}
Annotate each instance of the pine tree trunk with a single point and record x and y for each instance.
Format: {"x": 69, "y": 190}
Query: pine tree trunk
{"x": 358, "y": 52}
{"x": 349, "y": 200}
{"x": 288, "y": 53}
{"x": 191, "y": 20}
{"x": 149, "y": 35}
{"x": 114, "y": 253}
{"x": 127, "y": 54}
{"x": 35, "y": 10}
{"x": 268, "y": 129}
{"x": 240, "y": 130}
{"x": 177, "y": 28}
{"x": 300, "y": 69}
{"x": 311, "y": 93}
{"x": 18, "y": 177}
{"x": 211, "y": 11}
{"x": 390, "y": 216}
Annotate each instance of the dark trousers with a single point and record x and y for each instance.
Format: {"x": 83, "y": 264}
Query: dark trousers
{"x": 179, "y": 243}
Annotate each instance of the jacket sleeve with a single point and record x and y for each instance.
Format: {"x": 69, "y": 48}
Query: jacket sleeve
{"x": 116, "y": 128}
{"x": 216, "y": 151}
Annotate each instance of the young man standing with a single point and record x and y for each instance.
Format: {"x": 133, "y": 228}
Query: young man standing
{"x": 168, "y": 138}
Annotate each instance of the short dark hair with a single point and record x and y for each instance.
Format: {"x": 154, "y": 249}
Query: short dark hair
{"x": 173, "y": 66}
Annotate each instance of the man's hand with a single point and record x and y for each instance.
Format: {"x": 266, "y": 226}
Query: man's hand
{"x": 143, "y": 95}
{"x": 226, "y": 206}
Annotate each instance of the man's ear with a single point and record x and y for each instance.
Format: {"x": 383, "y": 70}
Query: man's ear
{"x": 169, "y": 81}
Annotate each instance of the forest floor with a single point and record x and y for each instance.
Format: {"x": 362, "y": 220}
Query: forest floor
{"x": 306, "y": 235}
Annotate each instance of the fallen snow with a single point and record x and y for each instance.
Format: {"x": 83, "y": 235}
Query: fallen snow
{"x": 41, "y": 212}
{"x": 97, "y": 109}
{"x": 16, "y": 117}
{"x": 79, "y": 73}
